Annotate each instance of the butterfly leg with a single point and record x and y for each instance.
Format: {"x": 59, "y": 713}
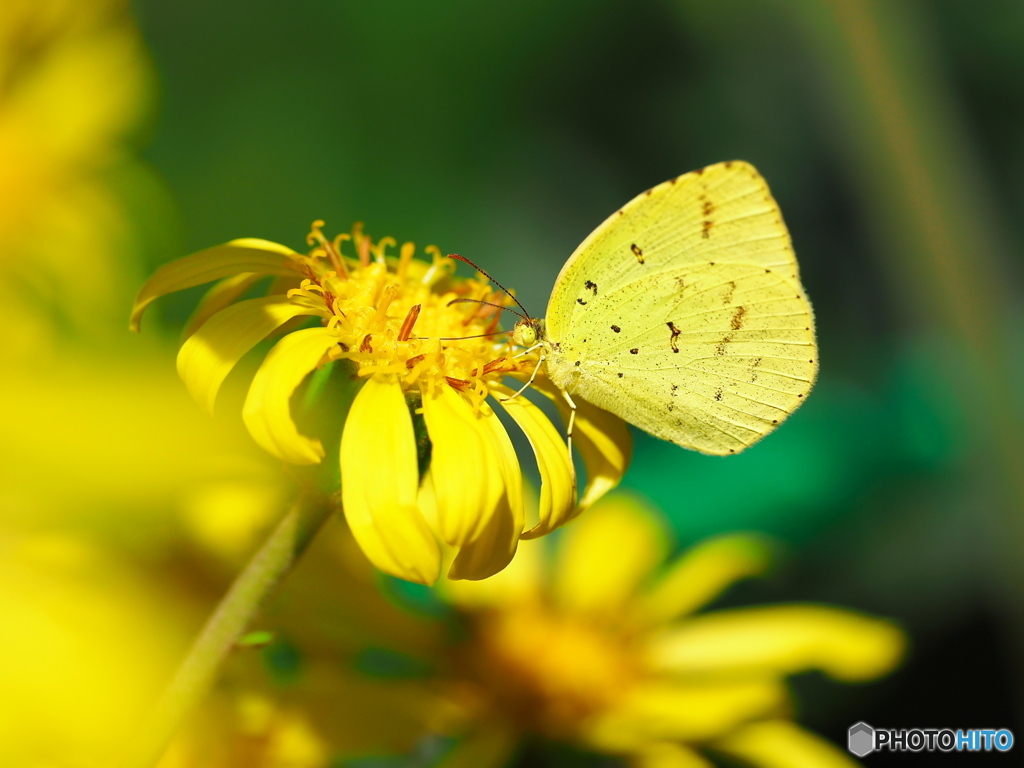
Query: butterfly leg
{"x": 528, "y": 383}
{"x": 527, "y": 351}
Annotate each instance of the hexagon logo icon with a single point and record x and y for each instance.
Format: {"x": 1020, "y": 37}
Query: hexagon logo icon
{"x": 861, "y": 739}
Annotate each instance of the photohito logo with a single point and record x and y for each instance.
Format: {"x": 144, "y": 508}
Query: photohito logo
{"x": 862, "y": 739}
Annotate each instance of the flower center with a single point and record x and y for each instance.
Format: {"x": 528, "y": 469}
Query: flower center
{"x": 406, "y": 317}
{"x": 547, "y": 673}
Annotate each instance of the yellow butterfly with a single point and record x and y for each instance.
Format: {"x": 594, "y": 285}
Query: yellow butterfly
{"x": 683, "y": 314}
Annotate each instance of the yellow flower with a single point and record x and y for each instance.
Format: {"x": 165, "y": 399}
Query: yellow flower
{"x": 422, "y": 345}
{"x": 604, "y": 649}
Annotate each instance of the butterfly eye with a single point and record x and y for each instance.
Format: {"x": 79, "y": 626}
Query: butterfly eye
{"x": 524, "y": 334}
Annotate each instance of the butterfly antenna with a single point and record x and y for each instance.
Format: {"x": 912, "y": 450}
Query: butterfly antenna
{"x": 464, "y": 260}
{"x": 460, "y": 338}
{"x": 488, "y": 304}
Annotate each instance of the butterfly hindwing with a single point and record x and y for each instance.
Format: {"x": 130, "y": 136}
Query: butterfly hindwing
{"x": 705, "y": 336}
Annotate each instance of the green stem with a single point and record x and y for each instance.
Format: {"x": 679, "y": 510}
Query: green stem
{"x": 254, "y": 584}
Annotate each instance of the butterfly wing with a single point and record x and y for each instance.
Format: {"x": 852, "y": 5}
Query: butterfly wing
{"x": 683, "y": 313}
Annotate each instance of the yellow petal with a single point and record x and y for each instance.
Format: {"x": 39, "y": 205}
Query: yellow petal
{"x": 492, "y": 746}
{"x": 492, "y": 551}
{"x": 667, "y": 755}
{"x": 267, "y": 408}
{"x": 463, "y": 467}
{"x": 247, "y": 255}
{"x": 700, "y": 575}
{"x": 497, "y": 545}
{"x": 221, "y": 294}
{"x": 684, "y": 712}
{"x": 557, "y": 475}
{"x": 520, "y": 582}
{"x": 781, "y": 640}
{"x": 209, "y": 354}
{"x": 606, "y": 554}
{"x": 782, "y": 744}
{"x": 379, "y": 484}
{"x": 602, "y": 439}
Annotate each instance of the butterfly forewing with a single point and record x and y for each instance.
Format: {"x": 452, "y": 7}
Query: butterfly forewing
{"x": 703, "y": 336}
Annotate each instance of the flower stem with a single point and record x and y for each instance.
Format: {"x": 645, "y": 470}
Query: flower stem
{"x": 254, "y": 584}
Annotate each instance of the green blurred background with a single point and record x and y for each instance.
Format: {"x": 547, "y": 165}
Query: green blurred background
{"x": 891, "y": 136}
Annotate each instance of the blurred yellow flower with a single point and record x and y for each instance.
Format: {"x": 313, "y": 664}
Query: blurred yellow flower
{"x": 249, "y": 729}
{"x": 74, "y": 83}
{"x": 319, "y": 707}
{"x": 420, "y": 344}
{"x": 603, "y": 649}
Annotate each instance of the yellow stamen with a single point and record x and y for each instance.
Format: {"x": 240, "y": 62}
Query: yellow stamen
{"x": 380, "y": 250}
{"x": 408, "y": 249}
{"x": 381, "y": 315}
{"x": 362, "y": 243}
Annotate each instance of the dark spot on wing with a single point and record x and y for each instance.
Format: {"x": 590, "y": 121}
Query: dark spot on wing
{"x": 675, "y": 388}
{"x": 671, "y": 406}
{"x": 637, "y": 252}
{"x": 706, "y": 232}
{"x": 737, "y": 319}
{"x": 709, "y": 208}
{"x": 720, "y": 349}
{"x": 730, "y": 288}
{"x": 728, "y": 164}
{"x": 718, "y": 394}
{"x": 634, "y": 351}
{"x": 680, "y": 283}
{"x": 675, "y": 335}
{"x": 592, "y": 286}
{"x": 775, "y": 421}
{"x": 767, "y": 271}
{"x": 753, "y": 370}
{"x": 581, "y": 301}
{"x": 620, "y": 375}
{"x": 577, "y": 362}
{"x": 616, "y": 329}
{"x": 699, "y": 171}
{"x": 649, "y": 192}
